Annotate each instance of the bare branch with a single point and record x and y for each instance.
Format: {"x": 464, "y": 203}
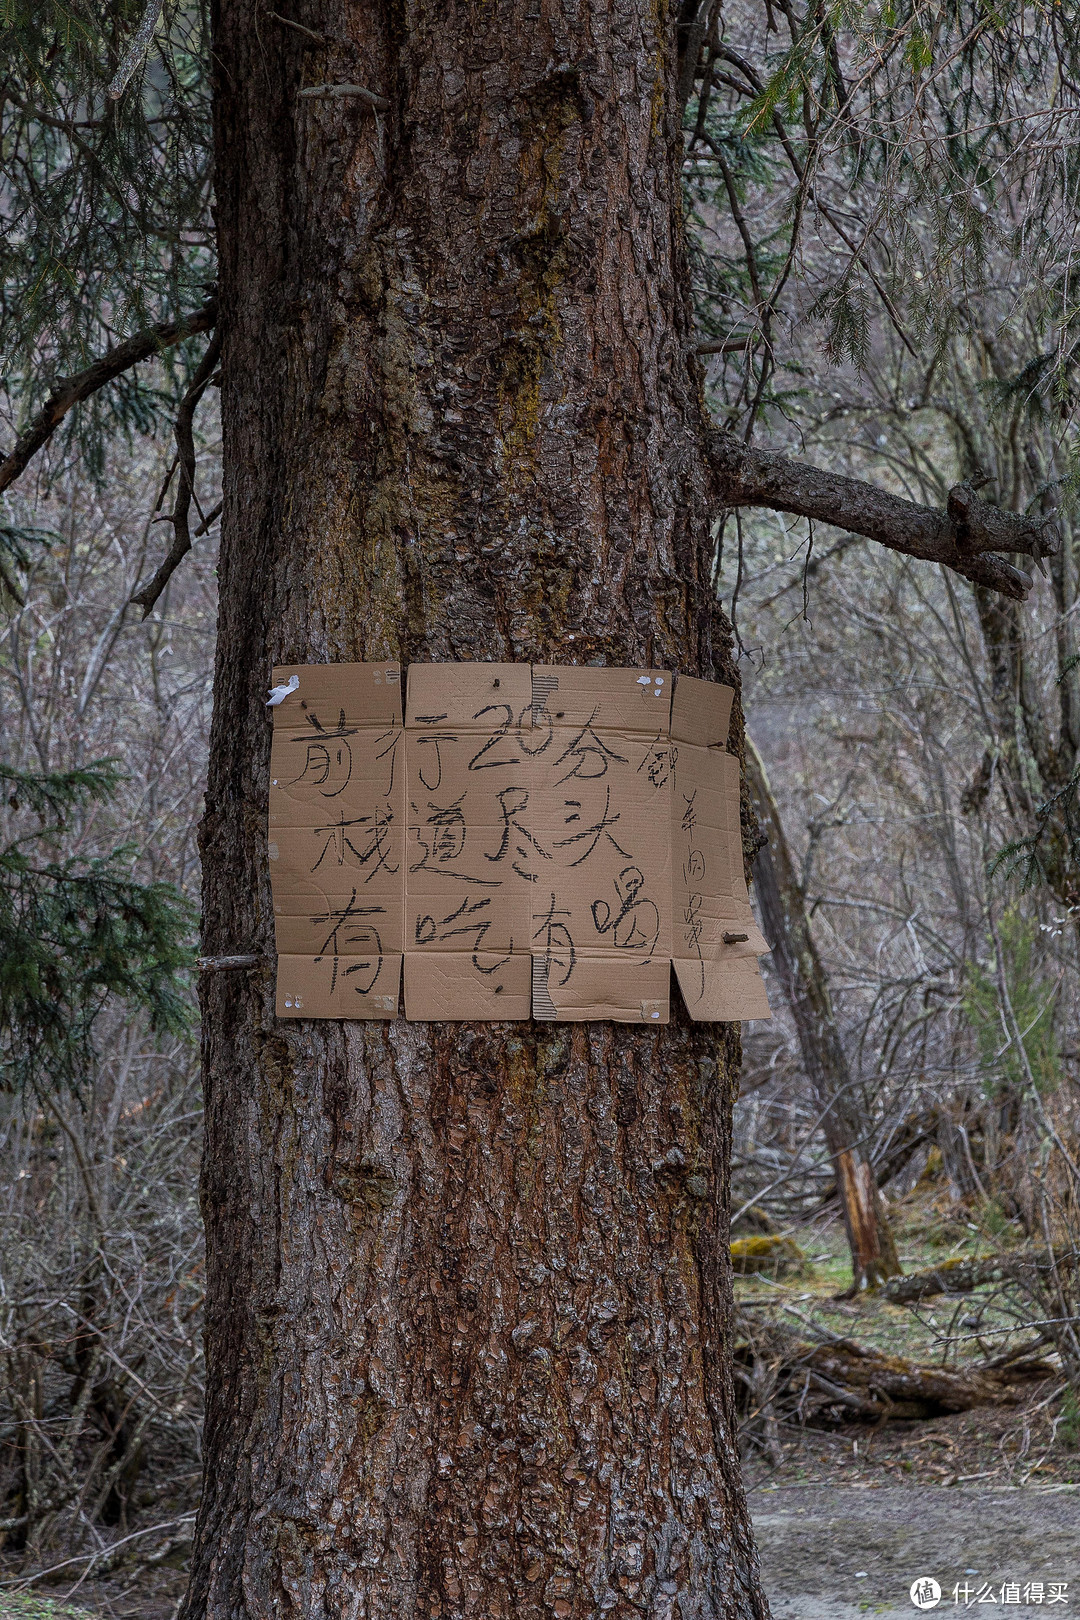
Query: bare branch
{"x": 734, "y": 345}
{"x": 70, "y": 391}
{"x": 209, "y": 520}
{"x": 318, "y": 39}
{"x": 136, "y": 51}
{"x": 185, "y": 490}
{"x": 965, "y": 537}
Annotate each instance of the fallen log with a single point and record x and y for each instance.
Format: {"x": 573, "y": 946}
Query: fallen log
{"x": 950, "y": 1277}
{"x": 880, "y": 1386}
{"x": 963, "y": 1275}
{"x": 842, "y": 1381}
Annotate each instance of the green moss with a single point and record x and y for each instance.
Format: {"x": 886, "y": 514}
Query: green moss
{"x": 776, "y": 1255}
{"x": 28, "y": 1606}
{"x": 543, "y": 256}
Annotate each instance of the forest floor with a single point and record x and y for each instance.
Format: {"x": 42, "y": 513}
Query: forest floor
{"x": 837, "y": 1541}
{"x": 985, "y": 1502}
{"x": 844, "y": 1523}
{"x": 841, "y": 1551}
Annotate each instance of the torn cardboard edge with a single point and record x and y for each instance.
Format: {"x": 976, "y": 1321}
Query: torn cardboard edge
{"x": 502, "y": 841}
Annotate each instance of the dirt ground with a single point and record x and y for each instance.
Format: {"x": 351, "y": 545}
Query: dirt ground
{"x": 845, "y": 1521}
{"x": 848, "y": 1519}
{"x": 828, "y": 1552}
{"x": 837, "y": 1552}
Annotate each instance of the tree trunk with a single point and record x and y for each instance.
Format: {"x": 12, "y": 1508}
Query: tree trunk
{"x": 800, "y": 970}
{"x": 468, "y": 1328}
{"x": 1034, "y": 766}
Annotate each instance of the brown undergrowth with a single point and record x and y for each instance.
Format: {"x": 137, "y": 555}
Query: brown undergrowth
{"x": 1030, "y": 1444}
{"x": 954, "y": 1381}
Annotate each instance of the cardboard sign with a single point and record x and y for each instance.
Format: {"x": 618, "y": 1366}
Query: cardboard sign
{"x": 517, "y": 840}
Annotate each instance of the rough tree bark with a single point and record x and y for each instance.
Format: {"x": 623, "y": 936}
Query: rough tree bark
{"x": 468, "y": 1310}
{"x": 801, "y": 972}
{"x": 1035, "y": 761}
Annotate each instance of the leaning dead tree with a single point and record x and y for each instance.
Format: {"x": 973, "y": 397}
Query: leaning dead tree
{"x": 799, "y": 968}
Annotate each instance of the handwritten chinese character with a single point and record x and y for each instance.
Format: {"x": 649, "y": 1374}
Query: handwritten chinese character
{"x": 657, "y": 762}
{"x": 513, "y": 802}
{"x": 349, "y": 925}
{"x": 367, "y": 838}
{"x": 597, "y": 830}
{"x": 556, "y": 942}
{"x": 591, "y": 757}
{"x": 429, "y": 762}
{"x": 442, "y": 838}
{"x": 471, "y": 922}
{"x": 328, "y": 761}
{"x": 635, "y": 926}
{"x": 352, "y": 930}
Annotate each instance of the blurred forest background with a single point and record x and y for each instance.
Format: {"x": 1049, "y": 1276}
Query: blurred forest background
{"x": 883, "y": 203}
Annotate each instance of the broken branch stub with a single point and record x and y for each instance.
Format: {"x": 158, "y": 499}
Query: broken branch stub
{"x": 979, "y": 527}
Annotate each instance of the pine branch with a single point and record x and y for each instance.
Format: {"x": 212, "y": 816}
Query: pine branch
{"x": 965, "y": 537}
{"x": 52, "y": 793}
{"x": 70, "y": 391}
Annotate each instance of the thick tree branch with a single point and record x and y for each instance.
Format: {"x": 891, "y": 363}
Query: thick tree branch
{"x": 965, "y": 537}
{"x": 335, "y": 92}
{"x": 70, "y": 391}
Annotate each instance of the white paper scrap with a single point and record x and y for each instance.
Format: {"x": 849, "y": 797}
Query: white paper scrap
{"x": 278, "y": 694}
